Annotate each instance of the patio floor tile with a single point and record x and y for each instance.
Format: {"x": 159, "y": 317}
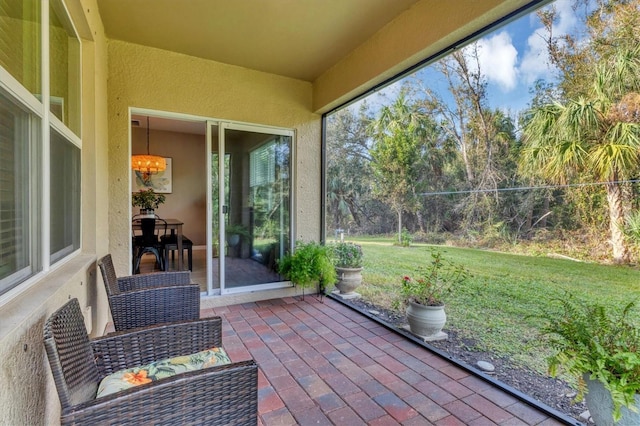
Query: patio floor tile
{"x": 366, "y": 407}
{"x": 324, "y": 363}
{"x": 346, "y": 416}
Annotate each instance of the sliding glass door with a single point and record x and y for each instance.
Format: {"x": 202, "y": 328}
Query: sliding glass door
{"x": 250, "y": 204}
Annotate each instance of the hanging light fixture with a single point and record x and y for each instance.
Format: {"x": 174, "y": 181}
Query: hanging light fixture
{"x": 148, "y": 164}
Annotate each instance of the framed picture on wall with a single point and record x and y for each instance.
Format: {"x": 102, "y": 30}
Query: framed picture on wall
{"x": 160, "y": 182}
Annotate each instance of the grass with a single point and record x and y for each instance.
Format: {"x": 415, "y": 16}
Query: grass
{"x": 497, "y": 306}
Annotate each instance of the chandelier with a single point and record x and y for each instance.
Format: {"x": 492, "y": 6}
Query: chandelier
{"x": 148, "y": 164}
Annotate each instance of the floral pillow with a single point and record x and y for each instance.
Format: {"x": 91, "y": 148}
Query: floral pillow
{"x": 125, "y": 379}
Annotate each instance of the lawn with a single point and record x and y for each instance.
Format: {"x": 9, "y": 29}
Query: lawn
{"x": 497, "y": 306}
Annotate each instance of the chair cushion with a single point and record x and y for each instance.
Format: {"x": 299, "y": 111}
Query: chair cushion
{"x": 125, "y": 379}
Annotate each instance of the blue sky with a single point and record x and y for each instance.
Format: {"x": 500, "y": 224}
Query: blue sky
{"x": 512, "y": 58}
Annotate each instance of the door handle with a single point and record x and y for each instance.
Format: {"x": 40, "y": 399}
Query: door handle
{"x": 225, "y": 209}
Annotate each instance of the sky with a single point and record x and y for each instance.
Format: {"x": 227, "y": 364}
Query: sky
{"x": 512, "y": 58}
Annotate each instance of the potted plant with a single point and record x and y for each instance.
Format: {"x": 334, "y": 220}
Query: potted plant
{"x": 236, "y": 232}
{"x": 424, "y": 295}
{"x": 310, "y": 263}
{"x": 147, "y": 200}
{"x": 602, "y": 351}
{"x": 347, "y": 258}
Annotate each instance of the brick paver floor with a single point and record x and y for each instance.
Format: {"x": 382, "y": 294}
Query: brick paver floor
{"x": 322, "y": 363}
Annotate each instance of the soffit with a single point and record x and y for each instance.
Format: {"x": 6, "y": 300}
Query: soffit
{"x": 294, "y": 38}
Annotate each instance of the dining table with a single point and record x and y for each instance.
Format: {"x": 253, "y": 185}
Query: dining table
{"x": 173, "y": 225}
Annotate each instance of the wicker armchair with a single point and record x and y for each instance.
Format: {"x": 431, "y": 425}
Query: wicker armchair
{"x": 221, "y": 395}
{"x": 149, "y": 299}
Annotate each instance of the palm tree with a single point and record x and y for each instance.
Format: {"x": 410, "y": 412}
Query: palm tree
{"x": 598, "y": 134}
{"x": 398, "y": 133}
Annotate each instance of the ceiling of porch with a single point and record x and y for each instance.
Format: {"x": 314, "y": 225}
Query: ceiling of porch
{"x": 298, "y": 39}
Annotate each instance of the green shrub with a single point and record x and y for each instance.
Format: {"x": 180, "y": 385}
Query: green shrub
{"x": 347, "y": 255}
{"x": 405, "y": 238}
{"x": 310, "y": 263}
{"x": 587, "y": 339}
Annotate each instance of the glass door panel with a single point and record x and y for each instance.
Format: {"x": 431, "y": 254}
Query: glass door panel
{"x": 213, "y": 249}
{"x": 257, "y": 210}
{"x": 215, "y": 217}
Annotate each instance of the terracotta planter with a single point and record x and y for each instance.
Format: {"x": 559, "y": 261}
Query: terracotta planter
{"x": 600, "y": 406}
{"x": 426, "y": 321}
{"x": 348, "y": 279}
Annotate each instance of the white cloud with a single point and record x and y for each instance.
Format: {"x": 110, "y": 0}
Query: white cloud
{"x": 535, "y": 64}
{"x": 498, "y": 58}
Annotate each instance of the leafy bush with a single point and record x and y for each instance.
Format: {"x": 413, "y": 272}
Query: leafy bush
{"x": 405, "y": 238}
{"x": 434, "y": 281}
{"x": 238, "y": 229}
{"x": 308, "y": 264}
{"x": 439, "y": 238}
{"x": 587, "y": 339}
{"x": 631, "y": 228}
{"x": 347, "y": 255}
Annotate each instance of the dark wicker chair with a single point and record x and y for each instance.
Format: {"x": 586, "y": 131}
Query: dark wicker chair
{"x": 221, "y": 395}
{"x": 149, "y": 299}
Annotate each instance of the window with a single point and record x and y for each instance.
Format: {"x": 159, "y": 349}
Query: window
{"x": 64, "y": 104}
{"x": 20, "y": 29}
{"x": 65, "y": 197}
{"x": 19, "y": 131}
{"x": 64, "y": 70}
{"x": 28, "y": 194}
{"x": 263, "y": 165}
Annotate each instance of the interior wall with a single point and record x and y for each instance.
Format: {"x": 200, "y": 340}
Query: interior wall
{"x": 188, "y": 199}
{"x": 148, "y": 78}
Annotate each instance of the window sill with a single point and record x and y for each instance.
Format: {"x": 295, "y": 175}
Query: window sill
{"x": 17, "y": 307}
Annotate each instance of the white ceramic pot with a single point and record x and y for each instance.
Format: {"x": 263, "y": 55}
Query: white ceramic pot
{"x": 425, "y": 320}
{"x": 348, "y": 279}
{"x": 147, "y": 213}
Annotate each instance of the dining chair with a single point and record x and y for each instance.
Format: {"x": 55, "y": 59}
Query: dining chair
{"x": 172, "y": 374}
{"x": 152, "y": 229}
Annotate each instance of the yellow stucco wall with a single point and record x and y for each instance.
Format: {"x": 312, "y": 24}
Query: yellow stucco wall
{"x": 27, "y": 392}
{"x": 155, "y": 79}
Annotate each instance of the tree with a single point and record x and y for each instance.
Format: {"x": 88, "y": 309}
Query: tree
{"x": 598, "y": 134}
{"x": 347, "y": 166}
{"x": 397, "y": 132}
{"x": 483, "y": 137}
